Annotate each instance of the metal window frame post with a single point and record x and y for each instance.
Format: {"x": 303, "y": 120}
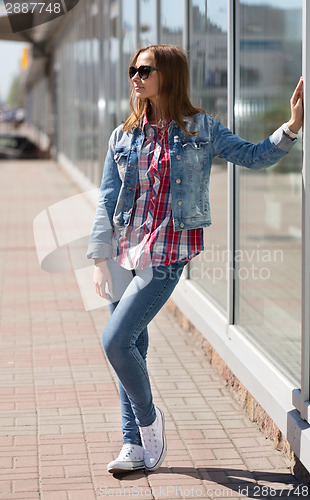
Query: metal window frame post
{"x": 233, "y": 86}
{"x": 305, "y": 361}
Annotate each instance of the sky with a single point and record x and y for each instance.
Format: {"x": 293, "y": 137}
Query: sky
{"x": 10, "y": 56}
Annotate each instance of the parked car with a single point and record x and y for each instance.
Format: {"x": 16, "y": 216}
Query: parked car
{"x": 8, "y": 115}
{"x": 17, "y": 147}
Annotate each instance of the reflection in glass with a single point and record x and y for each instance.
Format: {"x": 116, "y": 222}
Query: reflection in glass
{"x": 172, "y": 22}
{"x": 94, "y": 37}
{"x": 208, "y": 67}
{"x": 114, "y": 53}
{"x": 270, "y": 200}
{"x": 147, "y": 22}
{"x": 76, "y": 81}
{"x": 128, "y": 41}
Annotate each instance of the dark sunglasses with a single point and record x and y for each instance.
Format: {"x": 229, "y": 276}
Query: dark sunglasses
{"x": 143, "y": 71}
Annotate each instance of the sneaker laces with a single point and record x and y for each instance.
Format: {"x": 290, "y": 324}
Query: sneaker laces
{"x": 126, "y": 452}
{"x": 148, "y": 437}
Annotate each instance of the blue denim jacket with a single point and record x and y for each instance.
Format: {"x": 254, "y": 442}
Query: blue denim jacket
{"x": 190, "y": 165}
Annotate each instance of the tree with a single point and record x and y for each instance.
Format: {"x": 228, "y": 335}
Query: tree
{"x": 14, "y": 95}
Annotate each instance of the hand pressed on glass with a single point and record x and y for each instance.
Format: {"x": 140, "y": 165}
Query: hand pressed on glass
{"x": 297, "y": 108}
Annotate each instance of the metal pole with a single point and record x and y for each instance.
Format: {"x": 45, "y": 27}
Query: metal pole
{"x": 158, "y": 21}
{"x": 102, "y": 97}
{"x": 119, "y": 84}
{"x": 137, "y": 24}
{"x": 233, "y": 174}
{"x": 305, "y": 361}
{"x": 186, "y": 7}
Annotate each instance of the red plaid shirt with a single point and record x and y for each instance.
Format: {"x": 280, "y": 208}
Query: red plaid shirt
{"x": 151, "y": 239}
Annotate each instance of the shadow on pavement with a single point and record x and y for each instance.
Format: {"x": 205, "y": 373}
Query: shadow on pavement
{"x": 228, "y": 482}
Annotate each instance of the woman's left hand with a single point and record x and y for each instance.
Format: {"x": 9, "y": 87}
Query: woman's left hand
{"x": 297, "y": 108}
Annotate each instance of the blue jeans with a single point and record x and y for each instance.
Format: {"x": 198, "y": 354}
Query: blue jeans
{"x": 137, "y": 297}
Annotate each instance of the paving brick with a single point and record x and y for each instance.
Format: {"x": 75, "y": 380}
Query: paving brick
{"x": 77, "y": 495}
{"x": 7, "y": 441}
{"x": 21, "y": 496}
{"x": 25, "y": 485}
{"x": 59, "y": 495}
{"x": 257, "y": 463}
{"x": 179, "y": 462}
{"x": 225, "y": 453}
{"x": 6, "y": 463}
{"x": 5, "y": 486}
{"x": 78, "y": 483}
{"x": 192, "y": 434}
{"x": 50, "y": 449}
{"x": 26, "y": 461}
{"x": 50, "y": 471}
{"x": 203, "y": 453}
{"x": 77, "y": 470}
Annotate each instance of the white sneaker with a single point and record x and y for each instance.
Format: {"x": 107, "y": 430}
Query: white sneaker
{"x": 154, "y": 442}
{"x": 130, "y": 458}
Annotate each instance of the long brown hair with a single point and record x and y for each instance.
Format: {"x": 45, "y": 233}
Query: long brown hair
{"x": 173, "y": 93}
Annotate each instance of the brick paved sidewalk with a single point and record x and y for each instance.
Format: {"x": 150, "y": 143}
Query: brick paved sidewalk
{"x": 59, "y": 412}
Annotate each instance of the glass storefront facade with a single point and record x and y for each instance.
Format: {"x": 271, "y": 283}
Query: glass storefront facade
{"x": 244, "y": 56}
{"x": 76, "y": 75}
{"x": 270, "y": 201}
{"x": 208, "y": 66}
{"x": 267, "y": 288}
{"x": 172, "y": 22}
{"x": 147, "y": 22}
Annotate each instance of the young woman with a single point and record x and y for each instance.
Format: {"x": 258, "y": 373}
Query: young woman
{"x": 152, "y": 207}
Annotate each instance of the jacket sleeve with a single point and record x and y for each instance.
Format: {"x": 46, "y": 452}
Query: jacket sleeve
{"x": 100, "y": 241}
{"x": 246, "y": 154}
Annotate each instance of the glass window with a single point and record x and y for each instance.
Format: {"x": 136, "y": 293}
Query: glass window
{"x": 66, "y": 101}
{"x": 128, "y": 41}
{"x": 80, "y": 43}
{"x": 129, "y": 19}
{"x": 76, "y": 88}
{"x": 114, "y": 62}
{"x": 147, "y": 22}
{"x": 95, "y": 61}
{"x": 208, "y": 67}
{"x": 172, "y": 22}
{"x": 269, "y": 252}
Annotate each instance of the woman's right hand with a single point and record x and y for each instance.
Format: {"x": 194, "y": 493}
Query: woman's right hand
{"x": 297, "y": 108}
{"x": 102, "y": 276}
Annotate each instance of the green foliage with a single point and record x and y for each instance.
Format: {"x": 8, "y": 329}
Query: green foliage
{"x": 14, "y": 95}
